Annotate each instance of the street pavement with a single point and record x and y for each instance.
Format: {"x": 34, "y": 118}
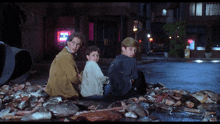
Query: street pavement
{"x": 186, "y": 74}
{"x": 180, "y": 74}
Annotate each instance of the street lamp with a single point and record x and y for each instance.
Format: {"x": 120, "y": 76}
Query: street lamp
{"x": 170, "y": 37}
{"x": 135, "y": 29}
{"x": 135, "y": 32}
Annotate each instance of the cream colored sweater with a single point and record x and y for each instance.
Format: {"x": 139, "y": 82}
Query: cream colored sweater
{"x": 92, "y": 80}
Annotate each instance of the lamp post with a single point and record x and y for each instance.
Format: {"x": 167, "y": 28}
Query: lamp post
{"x": 135, "y": 32}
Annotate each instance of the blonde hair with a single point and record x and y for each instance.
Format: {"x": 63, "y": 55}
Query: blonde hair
{"x": 129, "y": 42}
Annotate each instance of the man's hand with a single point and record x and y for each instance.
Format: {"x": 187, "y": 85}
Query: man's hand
{"x": 79, "y": 76}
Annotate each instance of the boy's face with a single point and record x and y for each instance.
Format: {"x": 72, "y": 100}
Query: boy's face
{"x": 74, "y": 44}
{"x": 93, "y": 56}
{"x": 129, "y": 51}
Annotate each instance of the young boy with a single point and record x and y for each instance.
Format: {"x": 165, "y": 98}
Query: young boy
{"x": 123, "y": 74}
{"x": 93, "y": 78}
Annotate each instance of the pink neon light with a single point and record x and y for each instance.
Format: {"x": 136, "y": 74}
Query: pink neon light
{"x": 91, "y": 31}
{"x": 190, "y": 41}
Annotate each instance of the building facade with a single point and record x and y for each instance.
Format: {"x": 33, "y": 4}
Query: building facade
{"x": 46, "y": 26}
{"x": 42, "y": 27}
{"x": 202, "y": 21}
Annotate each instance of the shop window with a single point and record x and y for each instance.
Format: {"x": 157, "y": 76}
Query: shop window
{"x": 191, "y": 44}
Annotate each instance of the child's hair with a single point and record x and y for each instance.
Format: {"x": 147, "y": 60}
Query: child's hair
{"x": 91, "y": 49}
{"x": 129, "y": 42}
{"x": 78, "y": 35}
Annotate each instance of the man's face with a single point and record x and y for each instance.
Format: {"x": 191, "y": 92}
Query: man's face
{"x": 93, "y": 56}
{"x": 129, "y": 51}
{"x": 74, "y": 44}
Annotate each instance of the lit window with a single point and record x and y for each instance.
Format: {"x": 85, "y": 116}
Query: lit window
{"x": 195, "y": 9}
{"x": 164, "y": 12}
{"x": 212, "y": 9}
{"x": 199, "y": 9}
{"x": 192, "y": 9}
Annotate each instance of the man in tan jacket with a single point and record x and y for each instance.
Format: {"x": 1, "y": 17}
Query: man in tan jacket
{"x": 63, "y": 76}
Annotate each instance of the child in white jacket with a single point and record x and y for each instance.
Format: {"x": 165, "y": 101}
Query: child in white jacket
{"x": 93, "y": 79}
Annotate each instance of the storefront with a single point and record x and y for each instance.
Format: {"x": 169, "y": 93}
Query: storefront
{"x": 197, "y": 39}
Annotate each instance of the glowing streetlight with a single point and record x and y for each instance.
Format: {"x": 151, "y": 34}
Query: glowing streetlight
{"x": 135, "y": 29}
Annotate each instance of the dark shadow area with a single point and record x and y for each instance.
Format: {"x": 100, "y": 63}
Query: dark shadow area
{"x": 23, "y": 63}
{"x": 2, "y": 58}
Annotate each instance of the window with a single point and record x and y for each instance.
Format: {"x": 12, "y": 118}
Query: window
{"x": 195, "y": 9}
{"x": 212, "y": 9}
{"x": 164, "y": 12}
{"x": 142, "y": 9}
{"x": 176, "y": 12}
{"x": 199, "y": 9}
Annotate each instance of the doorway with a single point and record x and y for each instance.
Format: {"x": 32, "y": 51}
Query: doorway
{"x": 107, "y": 38}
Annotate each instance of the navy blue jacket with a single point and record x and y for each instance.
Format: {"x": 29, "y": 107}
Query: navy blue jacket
{"x": 121, "y": 70}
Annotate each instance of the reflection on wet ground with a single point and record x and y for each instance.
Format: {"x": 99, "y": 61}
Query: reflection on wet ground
{"x": 191, "y": 76}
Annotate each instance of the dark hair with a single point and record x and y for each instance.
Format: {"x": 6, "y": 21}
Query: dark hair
{"x": 76, "y": 34}
{"x": 91, "y": 49}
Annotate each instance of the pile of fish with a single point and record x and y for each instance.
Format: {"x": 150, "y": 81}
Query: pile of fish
{"x": 27, "y": 102}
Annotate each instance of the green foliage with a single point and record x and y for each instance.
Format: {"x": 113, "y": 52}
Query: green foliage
{"x": 174, "y": 30}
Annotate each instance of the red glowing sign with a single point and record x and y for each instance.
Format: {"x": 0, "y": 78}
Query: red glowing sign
{"x": 190, "y": 41}
{"x": 62, "y": 36}
{"x": 139, "y": 41}
{"x": 151, "y": 39}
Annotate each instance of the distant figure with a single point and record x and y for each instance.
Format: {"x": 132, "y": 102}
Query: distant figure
{"x": 64, "y": 75}
{"x": 93, "y": 80}
{"x": 13, "y": 17}
{"x": 123, "y": 75}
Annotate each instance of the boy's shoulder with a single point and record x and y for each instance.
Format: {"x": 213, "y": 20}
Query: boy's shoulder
{"x": 91, "y": 63}
{"x": 122, "y": 59}
{"x": 125, "y": 58}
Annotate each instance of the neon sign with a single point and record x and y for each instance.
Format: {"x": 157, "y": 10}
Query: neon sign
{"x": 62, "y": 36}
{"x": 191, "y": 44}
